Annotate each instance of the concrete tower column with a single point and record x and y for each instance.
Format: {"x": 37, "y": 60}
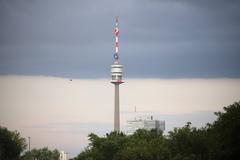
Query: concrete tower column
{"x": 116, "y": 109}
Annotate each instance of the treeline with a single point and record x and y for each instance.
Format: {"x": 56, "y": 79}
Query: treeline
{"x": 41, "y": 154}
{"x": 217, "y": 141}
{"x": 12, "y": 146}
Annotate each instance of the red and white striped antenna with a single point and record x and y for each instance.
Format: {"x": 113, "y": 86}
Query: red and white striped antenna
{"x": 116, "y": 31}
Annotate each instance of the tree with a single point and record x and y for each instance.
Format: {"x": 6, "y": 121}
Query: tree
{"x": 224, "y": 134}
{"x": 188, "y": 143}
{"x": 144, "y": 145}
{"x": 149, "y": 145}
{"x": 217, "y": 141}
{"x": 11, "y": 144}
{"x": 103, "y": 148}
{"x": 41, "y": 154}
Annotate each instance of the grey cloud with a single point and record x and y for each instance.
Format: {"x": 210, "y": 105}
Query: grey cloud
{"x": 165, "y": 39}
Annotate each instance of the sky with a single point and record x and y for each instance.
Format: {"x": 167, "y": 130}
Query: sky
{"x": 158, "y": 38}
{"x": 181, "y": 63}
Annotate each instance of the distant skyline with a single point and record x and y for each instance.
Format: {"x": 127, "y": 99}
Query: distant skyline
{"x": 158, "y": 38}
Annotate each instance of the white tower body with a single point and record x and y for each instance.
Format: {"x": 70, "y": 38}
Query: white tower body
{"x": 117, "y": 74}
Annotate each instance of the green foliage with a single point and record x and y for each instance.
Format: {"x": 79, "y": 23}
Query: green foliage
{"x": 144, "y": 145}
{"x": 41, "y": 154}
{"x": 188, "y": 143}
{"x": 117, "y": 146}
{"x": 220, "y": 140}
{"x": 224, "y": 134}
{"x": 103, "y": 148}
{"x": 11, "y": 144}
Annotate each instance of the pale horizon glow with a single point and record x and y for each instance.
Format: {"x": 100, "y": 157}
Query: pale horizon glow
{"x": 60, "y": 113}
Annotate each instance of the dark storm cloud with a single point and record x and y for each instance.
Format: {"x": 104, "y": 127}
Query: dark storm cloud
{"x": 158, "y": 38}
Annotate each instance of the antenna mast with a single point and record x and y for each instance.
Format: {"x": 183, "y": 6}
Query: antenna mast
{"x": 116, "y": 31}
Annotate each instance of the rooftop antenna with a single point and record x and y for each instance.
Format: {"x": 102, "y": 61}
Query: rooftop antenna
{"x": 135, "y": 111}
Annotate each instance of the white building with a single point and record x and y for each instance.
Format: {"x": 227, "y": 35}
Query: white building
{"x": 147, "y": 123}
{"x": 63, "y": 155}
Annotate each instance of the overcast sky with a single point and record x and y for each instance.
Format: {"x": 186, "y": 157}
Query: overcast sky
{"x": 158, "y": 38}
{"x": 180, "y": 57}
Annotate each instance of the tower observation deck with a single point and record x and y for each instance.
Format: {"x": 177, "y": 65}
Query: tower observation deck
{"x": 117, "y": 74}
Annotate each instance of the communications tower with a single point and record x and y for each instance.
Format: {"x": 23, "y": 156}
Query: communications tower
{"x": 117, "y": 72}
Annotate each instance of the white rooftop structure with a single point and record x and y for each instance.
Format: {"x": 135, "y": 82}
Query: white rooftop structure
{"x": 144, "y": 123}
{"x": 63, "y": 155}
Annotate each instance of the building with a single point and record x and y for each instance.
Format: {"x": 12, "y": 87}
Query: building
{"x": 63, "y": 155}
{"x": 147, "y": 123}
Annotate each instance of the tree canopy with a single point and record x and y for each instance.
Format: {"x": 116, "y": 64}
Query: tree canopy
{"x": 41, "y": 154}
{"x": 11, "y": 144}
{"x": 216, "y": 141}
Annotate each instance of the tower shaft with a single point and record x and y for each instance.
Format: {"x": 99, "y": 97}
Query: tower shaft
{"x": 116, "y": 109}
